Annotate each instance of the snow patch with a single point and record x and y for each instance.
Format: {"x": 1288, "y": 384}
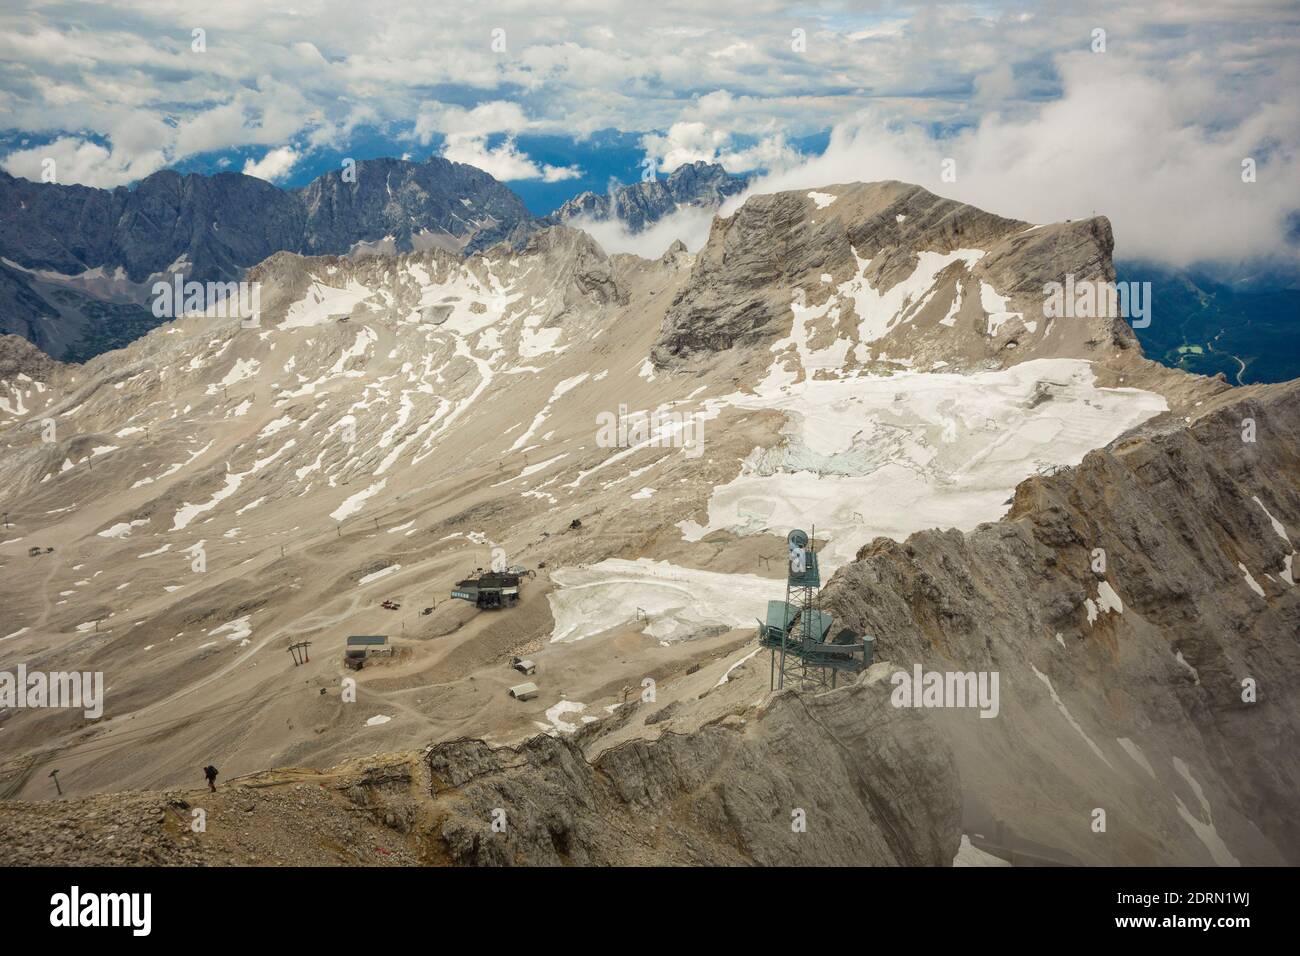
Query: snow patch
{"x": 1250, "y": 579}
{"x": 123, "y": 529}
{"x": 381, "y": 573}
{"x": 679, "y": 601}
{"x": 357, "y": 501}
{"x": 556, "y": 715}
{"x": 239, "y": 629}
{"x": 1139, "y": 758}
{"x": 1060, "y": 705}
{"x": 1204, "y": 829}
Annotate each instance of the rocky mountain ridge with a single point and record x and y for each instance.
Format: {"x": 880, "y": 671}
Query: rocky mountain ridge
{"x": 958, "y": 284}
{"x": 639, "y": 205}
{"x": 1142, "y": 611}
{"x": 77, "y": 263}
{"x": 70, "y": 254}
{"x": 220, "y": 225}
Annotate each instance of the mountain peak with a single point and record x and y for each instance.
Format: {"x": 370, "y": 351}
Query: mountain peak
{"x": 641, "y": 204}
{"x": 925, "y": 278}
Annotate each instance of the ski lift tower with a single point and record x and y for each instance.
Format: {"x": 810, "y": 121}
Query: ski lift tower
{"x": 797, "y": 629}
{"x": 802, "y": 596}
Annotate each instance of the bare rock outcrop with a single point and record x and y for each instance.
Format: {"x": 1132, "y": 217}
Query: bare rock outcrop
{"x": 855, "y": 242}
{"x": 1141, "y": 613}
{"x": 873, "y": 784}
{"x": 699, "y": 185}
{"x": 838, "y": 778}
{"x": 20, "y": 357}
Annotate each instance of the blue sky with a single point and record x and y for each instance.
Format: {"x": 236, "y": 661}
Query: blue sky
{"x": 1152, "y": 127}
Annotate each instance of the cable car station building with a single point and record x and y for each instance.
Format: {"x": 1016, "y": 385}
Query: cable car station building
{"x": 495, "y": 589}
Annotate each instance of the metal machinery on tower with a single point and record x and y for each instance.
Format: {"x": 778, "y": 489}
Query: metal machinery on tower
{"x": 797, "y": 629}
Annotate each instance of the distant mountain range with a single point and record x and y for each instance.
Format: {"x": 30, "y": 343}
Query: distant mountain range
{"x": 699, "y": 185}
{"x": 77, "y": 264}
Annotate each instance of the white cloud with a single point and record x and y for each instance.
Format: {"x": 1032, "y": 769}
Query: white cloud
{"x": 555, "y": 174}
{"x": 1146, "y": 154}
{"x": 504, "y": 161}
{"x": 274, "y": 166}
{"x": 1150, "y": 138}
{"x": 689, "y": 224}
{"x": 466, "y": 133}
{"x": 81, "y": 161}
{"x": 497, "y": 116}
{"x": 698, "y": 141}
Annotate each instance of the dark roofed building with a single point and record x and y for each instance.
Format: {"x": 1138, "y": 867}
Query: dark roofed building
{"x": 361, "y": 646}
{"x": 493, "y": 589}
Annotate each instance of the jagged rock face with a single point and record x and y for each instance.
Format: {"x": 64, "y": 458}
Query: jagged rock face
{"x": 875, "y": 786}
{"x": 1198, "y": 531}
{"x": 869, "y": 785}
{"x": 215, "y": 227}
{"x": 219, "y": 224}
{"x": 225, "y": 223}
{"x": 22, "y": 306}
{"x": 436, "y": 202}
{"x": 893, "y": 271}
{"x": 699, "y": 184}
{"x": 259, "y": 826}
{"x": 20, "y": 357}
{"x": 583, "y": 271}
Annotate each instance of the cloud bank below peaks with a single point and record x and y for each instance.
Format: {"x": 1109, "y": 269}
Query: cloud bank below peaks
{"x": 1163, "y": 161}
